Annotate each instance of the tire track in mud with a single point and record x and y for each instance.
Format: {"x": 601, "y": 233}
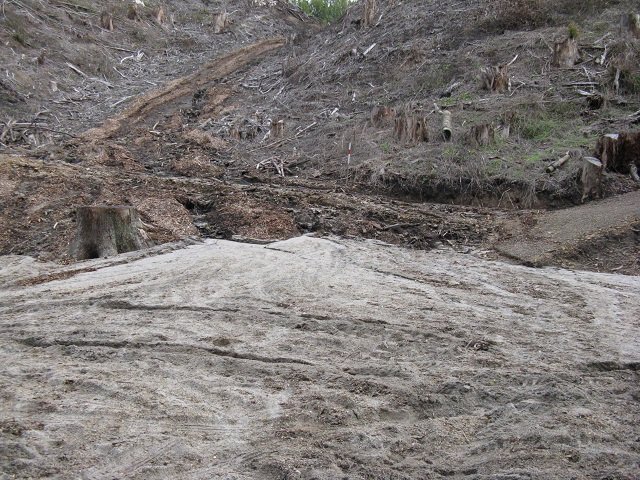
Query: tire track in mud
{"x": 144, "y": 105}
{"x": 132, "y": 467}
{"x": 159, "y": 346}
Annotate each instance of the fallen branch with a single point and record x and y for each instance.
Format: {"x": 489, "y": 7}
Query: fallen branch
{"x": 124, "y": 99}
{"x": 77, "y": 70}
{"x": 364, "y": 54}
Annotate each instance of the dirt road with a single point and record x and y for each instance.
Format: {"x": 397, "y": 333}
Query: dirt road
{"x": 316, "y": 358}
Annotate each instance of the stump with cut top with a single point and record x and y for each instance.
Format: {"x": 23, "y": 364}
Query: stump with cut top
{"x": 104, "y": 231}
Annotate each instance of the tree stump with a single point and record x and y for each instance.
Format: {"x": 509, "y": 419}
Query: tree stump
{"x": 483, "y": 134}
{"x": 591, "y": 177}
{"x": 495, "y": 79}
{"x": 220, "y": 22}
{"x": 382, "y": 116}
{"x": 277, "y": 128}
{"x": 133, "y": 13}
{"x": 630, "y": 24}
{"x": 104, "y": 231}
{"x": 565, "y": 53}
{"x": 106, "y": 21}
{"x": 619, "y": 152}
{"x": 159, "y": 15}
{"x": 410, "y": 129}
{"x": 369, "y": 14}
{"x": 607, "y": 149}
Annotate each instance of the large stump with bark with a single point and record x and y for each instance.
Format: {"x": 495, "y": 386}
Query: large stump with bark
{"x": 619, "y": 152}
{"x": 104, "y": 231}
{"x": 369, "y": 13}
{"x": 410, "y": 128}
{"x": 565, "y": 53}
{"x": 496, "y": 78}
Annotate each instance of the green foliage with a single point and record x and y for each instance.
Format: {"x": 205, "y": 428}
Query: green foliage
{"x": 539, "y": 128}
{"x": 574, "y": 32}
{"x": 325, "y": 10}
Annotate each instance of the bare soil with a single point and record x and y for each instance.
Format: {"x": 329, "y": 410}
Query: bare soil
{"x": 375, "y": 315}
{"x": 317, "y": 358}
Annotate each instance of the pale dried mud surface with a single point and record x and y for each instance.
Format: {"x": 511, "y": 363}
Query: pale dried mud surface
{"x": 316, "y": 358}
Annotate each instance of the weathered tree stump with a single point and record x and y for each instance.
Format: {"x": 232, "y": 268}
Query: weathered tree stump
{"x": 591, "y": 178}
{"x": 483, "y": 134}
{"x": 410, "y": 128}
{"x": 565, "y": 53}
{"x": 104, "y": 231}
{"x": 106, "y": 21}
{"x": 607, "y": 149}
{"x": 369, "y": 13}
{"x": 630, "y": 24}
{"x": 382, "y": 116}
{"x": 619, "y": 152}
{"x": 133, "y": 13}
{"x": 159, "y": 15}
{"x": 220, "y": 22}
{"x": 277, "y": 128}
{"x": 495, "y": 79}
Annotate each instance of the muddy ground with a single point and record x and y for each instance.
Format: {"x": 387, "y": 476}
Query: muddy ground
{"x": 316, "y": 358}
{"x": 391, "y": 327}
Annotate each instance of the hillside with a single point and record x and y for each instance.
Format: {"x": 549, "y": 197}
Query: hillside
{"x": 177, "y": 120}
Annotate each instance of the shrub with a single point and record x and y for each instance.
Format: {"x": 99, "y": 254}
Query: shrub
{"x": 326, "y": 10}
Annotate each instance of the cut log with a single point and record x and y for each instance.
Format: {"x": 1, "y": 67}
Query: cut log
{"x": 558, "y": 163}
{"x": 369, "y": 13}
{"x": 410, "y": 128}
{"x": 495, "y": 79}
{"x": 104, "y": 231}
{"x": 447, "y": 128}
{"x": 483, "y": 134}
{"x": 382, "y": 116}
{"x": 106, "y": 21}
{"x": 565, "y": 53}
{"x": 220, "y": 22}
